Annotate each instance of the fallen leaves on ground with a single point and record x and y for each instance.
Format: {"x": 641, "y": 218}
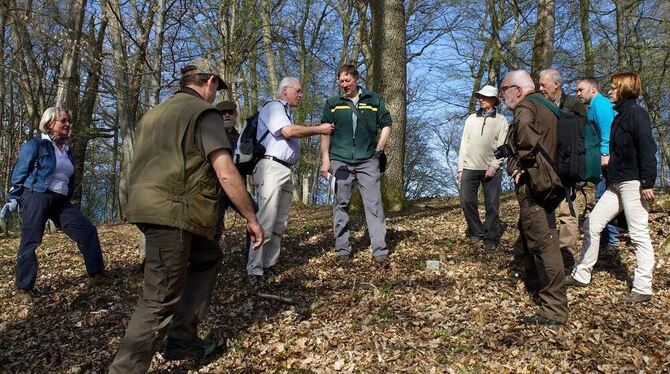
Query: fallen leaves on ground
{"x": 349, "y": 318}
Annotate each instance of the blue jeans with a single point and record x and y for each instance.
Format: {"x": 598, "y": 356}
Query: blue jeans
{"x": 610, "y": 235}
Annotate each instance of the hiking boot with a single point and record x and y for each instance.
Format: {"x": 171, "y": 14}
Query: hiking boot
{"x": 343, "y": 259}
{"x": 634, "y": 298}
{"x": 97, "y": 279}
{"x": 255, "y": 281}
{"x": 381, "y": 260}
{"x": 22, "y": 296}
{"x": 197, "y": 349}
{"x": 538, "y": 320}
{"x": 474, "y": 239}
{"x": 490, "y": 245}
{"x": 572, "y": 282}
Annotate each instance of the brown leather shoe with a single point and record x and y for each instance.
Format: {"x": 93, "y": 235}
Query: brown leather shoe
{"x": 634, "y": 298}
{"x": 97, "y": 279}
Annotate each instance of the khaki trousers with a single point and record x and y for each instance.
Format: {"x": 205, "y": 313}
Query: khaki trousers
{"x": 568, "y": 231}
{"x": 274, "y": 193}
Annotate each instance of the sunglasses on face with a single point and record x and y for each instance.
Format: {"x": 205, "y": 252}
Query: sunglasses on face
{"x": 229, "y": 112}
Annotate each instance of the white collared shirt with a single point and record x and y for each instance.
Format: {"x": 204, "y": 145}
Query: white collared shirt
{"x": 63, "y": 170}
{"x": 274, "y": 116}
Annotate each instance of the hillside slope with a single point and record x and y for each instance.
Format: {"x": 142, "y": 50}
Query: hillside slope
{"x": 353, "y": 318}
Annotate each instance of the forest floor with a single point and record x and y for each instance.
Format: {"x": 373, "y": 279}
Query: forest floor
{"x": 349, "y": 318}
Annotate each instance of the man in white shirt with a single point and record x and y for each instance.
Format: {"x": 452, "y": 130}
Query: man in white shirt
{"x": 272, "y": 176}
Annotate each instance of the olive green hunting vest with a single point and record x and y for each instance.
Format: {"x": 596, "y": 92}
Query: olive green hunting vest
{"x": 170, "y": 182}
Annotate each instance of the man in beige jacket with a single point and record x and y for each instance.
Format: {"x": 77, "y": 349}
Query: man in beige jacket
{"x": 484, "y": 131}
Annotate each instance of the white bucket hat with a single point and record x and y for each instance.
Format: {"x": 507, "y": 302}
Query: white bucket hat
{"x": 488, "y": 91}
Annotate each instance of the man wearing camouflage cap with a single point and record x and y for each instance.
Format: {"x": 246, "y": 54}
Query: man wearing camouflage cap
{"x": 180, "y": 153}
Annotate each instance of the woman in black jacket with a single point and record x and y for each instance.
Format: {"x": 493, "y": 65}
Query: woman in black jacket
{"x": 631, "y": 173}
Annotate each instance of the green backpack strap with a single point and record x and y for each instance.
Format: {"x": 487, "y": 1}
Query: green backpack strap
{"x": 538, "y": 98}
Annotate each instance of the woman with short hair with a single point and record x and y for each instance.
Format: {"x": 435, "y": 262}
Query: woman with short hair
{"x": 43, "y": 182}
{"x": 631, "y": 173}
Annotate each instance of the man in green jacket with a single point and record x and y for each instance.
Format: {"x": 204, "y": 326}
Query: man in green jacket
{"x": 181, "y": 155}
{"x": 351, "y": 155}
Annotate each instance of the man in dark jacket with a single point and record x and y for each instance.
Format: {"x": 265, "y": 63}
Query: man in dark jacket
{"x": 533, "y": 134}
{"x": 181, "y": 155}
{"x": 551, "y": 87}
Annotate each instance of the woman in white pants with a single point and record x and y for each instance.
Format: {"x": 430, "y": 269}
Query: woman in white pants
{"x": 631, "y": 172}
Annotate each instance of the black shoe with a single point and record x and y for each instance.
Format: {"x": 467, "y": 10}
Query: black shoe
{"x": 343, "y": 259}
{"x": 572, "y": 282}
{"x": 381, "y": 260}
{"x": 197, "y": 349}
{"x": 538, "y": 320}
{"x": 255, "y": 281}
{"x": 490, "y": 245}
{"x": 611, "y": 251}
{"x": 97, "y": 279}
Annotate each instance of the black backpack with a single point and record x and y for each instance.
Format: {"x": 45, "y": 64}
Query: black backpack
{"x": 578, "y": 150}
{"x": 249, "y": 149}
{"x": 578, "y": 157}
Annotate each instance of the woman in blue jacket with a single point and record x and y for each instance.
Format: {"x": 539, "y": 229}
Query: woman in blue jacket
{"x": 43, "y": 182}
{"x": 631, "y": 173}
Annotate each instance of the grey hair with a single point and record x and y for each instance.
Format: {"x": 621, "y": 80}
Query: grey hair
{"x": 553, "y": 74}
{"x": 285, "y": 82}
{"x": 522, "y": 79}
{"x": 50, "y": 115}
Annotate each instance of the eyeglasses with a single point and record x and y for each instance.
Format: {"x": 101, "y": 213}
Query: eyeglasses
{"x": 64, "y": 120}
{"x": 505, "y": 88}
{"x": 297, "y": 90}
{"x": 229, "y": 112}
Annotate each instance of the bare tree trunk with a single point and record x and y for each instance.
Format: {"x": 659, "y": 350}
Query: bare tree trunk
{"x": 365, "y": 43}
{"x": 390, "y": 56}
{"x": 513, "y": 40}
{"x": 267, "y": 46}
{"x": 493, "y": 76}
{"x": 112, "y": 13}
{"x": 5, "y": 138}
{"x": 68, "y": 82}
{"x": 472, "y": 104}
{"x": 155, "y": 77}
{"x": 30, "y": 79}
{"x": 620, "y": 34}
{"x": 127, "y": 84}
{"x": 67, "y": 94}
{"x": 589, "y": 60}
{"x": 543, "y": 46}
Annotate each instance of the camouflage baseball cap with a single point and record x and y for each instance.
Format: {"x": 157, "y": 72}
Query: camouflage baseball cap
{"x": 203, "y": 66}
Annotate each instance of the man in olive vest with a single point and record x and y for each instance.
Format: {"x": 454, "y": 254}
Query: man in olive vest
{"x": 172, "y": 197}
